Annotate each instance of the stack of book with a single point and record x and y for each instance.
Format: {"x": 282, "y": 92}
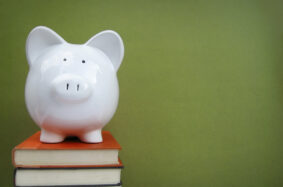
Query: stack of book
{"x": 70, "y": 163}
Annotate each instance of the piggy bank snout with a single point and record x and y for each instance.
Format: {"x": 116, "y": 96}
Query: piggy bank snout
{"x": 71, "y": 88}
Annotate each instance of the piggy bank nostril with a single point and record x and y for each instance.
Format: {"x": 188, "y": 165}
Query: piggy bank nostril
{"x": 70, "y": 88}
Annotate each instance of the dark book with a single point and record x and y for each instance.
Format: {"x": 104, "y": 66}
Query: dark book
{"x": 84, "y": 177}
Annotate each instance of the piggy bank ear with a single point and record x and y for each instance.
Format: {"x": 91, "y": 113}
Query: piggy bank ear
{"x": 111, "y": 44}
{"x": 39, "y": 39}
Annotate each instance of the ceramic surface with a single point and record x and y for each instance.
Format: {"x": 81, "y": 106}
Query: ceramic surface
{"x": 72, "y": 89}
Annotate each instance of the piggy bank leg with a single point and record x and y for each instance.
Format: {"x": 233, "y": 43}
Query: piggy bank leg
{"x": 50, "y": 137}
{"x": 92, "y": 137}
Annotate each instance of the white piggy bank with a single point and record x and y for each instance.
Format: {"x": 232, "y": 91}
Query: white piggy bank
{"x": 71, "y": 89}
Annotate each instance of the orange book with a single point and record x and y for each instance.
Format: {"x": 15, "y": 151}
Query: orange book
{"x": 32, "y": 153}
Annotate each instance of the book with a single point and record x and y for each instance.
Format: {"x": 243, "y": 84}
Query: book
{"x": 71, "y": 153}
{"x": 47, "y": 177}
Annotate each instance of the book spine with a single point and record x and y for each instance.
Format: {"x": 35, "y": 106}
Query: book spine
{"x": 13, "y": 157}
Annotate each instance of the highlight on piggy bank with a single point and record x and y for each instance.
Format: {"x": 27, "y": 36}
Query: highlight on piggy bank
{"x": 72, "y": 89}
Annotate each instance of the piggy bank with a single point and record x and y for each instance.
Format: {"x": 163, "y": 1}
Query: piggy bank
{"x": 72, "y": 89}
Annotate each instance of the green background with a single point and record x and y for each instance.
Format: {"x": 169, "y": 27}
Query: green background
{"x": 201, "y": 86}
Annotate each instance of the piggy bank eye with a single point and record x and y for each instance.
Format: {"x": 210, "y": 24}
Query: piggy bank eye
{"x": 83, "y": 61}
{"x": 64, "y": 59}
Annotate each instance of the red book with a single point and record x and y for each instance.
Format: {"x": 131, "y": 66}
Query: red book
{"x": 32, "y": 153}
